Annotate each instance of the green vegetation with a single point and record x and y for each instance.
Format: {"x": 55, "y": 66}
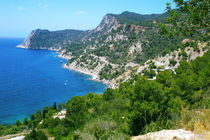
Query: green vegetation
{"x": 172, "y": 62}
{"x": 174, "y": 99}
{"x": 110, "y": 73}
{"x": 134, "y": 18}
{"x": 114, "y": 43}
{"x": 149, "y": 73}
{"x": 32, "y": 122}
{"x": 36, "y": 135}
{"x": 9, "y": 129}
{"x": 116, "y": 47}
{"x": 190, "y": 18}
{"x": 138, "y": 106}
{"x": 157, "y": 45}
{"x": 53, "y": 39}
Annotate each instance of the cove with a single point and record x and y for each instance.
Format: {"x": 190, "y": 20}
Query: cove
{"x": 32, "y": 79}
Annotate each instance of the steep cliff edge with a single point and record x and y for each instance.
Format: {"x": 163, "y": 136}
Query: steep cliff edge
{"x": 107, "y": 23}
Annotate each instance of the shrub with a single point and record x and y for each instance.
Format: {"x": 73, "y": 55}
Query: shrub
{"x": 172, "y": 62}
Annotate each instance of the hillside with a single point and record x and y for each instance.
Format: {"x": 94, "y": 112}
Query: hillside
{"x": 52, "y": 40}
{"x": 174, "y": 100}
{"x": 160, "y": 75}
{"x": 135, "y": 18}
{"x": 116, "y": 46}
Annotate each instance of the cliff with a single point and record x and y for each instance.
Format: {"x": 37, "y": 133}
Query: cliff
{"x": 45, "y": 39}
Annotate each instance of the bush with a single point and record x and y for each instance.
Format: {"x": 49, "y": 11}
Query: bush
{"x": 195, "y": 120}
{"x": 183, "y": 54}
{"x": 36, "y": 135}
{"x": 172, "y": 62}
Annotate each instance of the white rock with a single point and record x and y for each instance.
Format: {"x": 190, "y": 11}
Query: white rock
{"x": 17, "y": 138}
{"x": 180, "y": 134}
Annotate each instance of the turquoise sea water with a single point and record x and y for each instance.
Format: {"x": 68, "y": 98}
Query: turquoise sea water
{"x": 32, "y": 79}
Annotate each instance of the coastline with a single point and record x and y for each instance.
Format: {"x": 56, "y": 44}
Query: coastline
{"x": 94, "y": 75}
{"x": 74, "y": 67}
{"x": 21, "y": 46}
{"x": 43, "y": 48}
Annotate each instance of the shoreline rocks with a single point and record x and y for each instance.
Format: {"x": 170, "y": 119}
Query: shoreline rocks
{"x": 93, "y": 73}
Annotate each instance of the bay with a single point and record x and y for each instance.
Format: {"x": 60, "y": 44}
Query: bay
{"x": 32, "y": 79}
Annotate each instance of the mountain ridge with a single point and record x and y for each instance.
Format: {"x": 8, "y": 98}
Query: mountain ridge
{"x": 116, "y": 48}
{"x": 45, "y": 38}
{"x": 108, "y": 20}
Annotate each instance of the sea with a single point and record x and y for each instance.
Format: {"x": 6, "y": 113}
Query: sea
{"x": 33, "y": 79}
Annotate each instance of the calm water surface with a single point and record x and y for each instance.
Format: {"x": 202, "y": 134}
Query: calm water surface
{"x": 32, "y": 79}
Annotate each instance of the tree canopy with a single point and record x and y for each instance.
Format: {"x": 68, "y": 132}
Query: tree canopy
{"x": 189, "y": 18}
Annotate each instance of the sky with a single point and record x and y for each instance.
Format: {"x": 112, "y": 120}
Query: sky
{"x": 19, "y": 17}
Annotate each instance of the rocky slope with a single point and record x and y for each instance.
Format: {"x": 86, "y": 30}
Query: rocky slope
{"x": 120, "y": 45}
{"x": 179, "y": 134}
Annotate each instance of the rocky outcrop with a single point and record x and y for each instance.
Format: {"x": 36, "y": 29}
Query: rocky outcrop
{"x": 26, "y": 43}
{"x": 107, "y": 23}
{"x": 179, "y": 134}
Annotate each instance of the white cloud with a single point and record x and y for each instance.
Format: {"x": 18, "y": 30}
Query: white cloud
{"x": 21, "y": 8}
{"x": 80, "y": 12}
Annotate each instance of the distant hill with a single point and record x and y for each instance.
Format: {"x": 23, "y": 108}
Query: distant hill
{"x": 45, "y": 39}
{"x": 134, "y": 18}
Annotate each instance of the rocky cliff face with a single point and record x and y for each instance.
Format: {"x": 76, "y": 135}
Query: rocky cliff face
{"x": 26, "y": 43}
{"x": 108, "y": 22}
